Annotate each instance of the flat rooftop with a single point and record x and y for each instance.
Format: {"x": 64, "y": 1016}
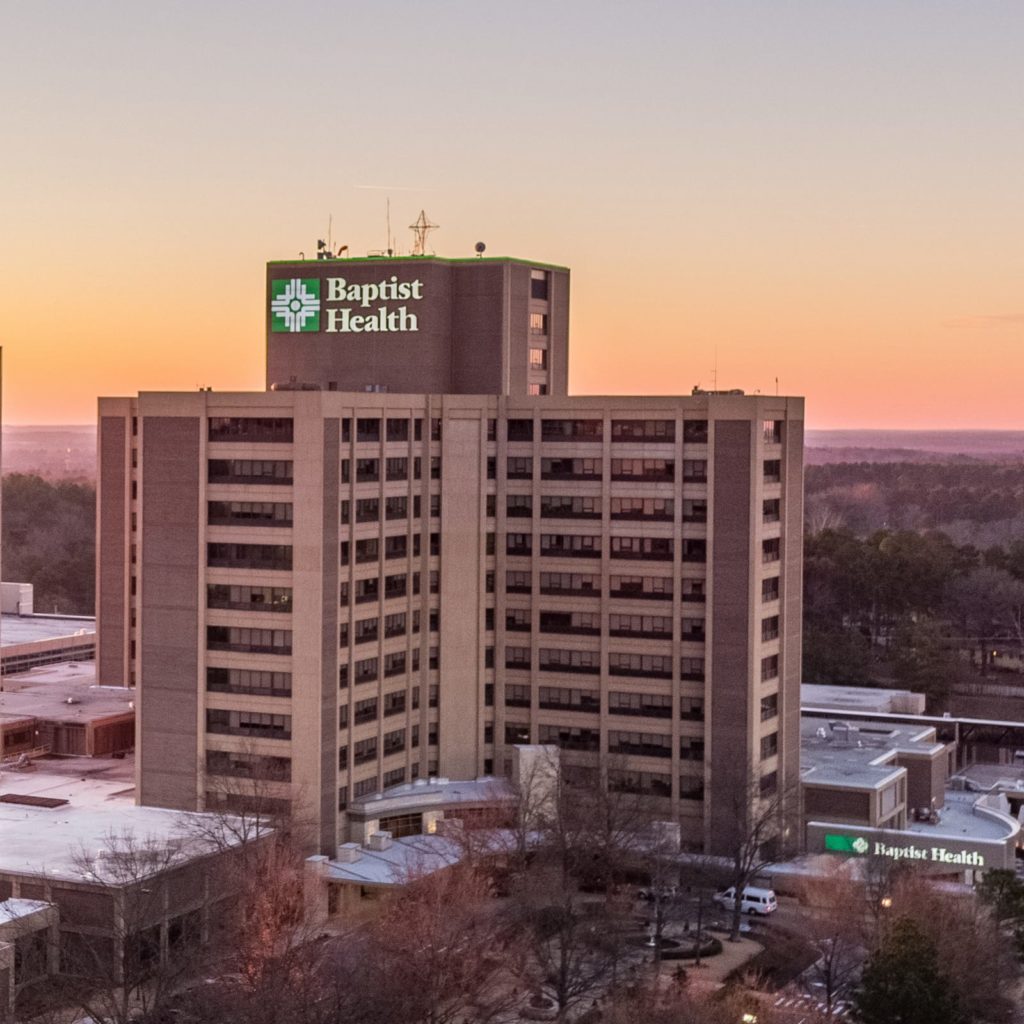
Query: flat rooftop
{"x": 993, "y": 777}
{"x": 431, "y": 792}
{"x": 56, "y": 841}
{"x": 23, "y": 629}
{"x": 66, "y": 702}
{"x": 860, "y": 698}
{"x": 859, "y": 754}
{"x": 960, "y": 818}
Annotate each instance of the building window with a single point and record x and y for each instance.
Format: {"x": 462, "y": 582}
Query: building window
{"x": 769, "y": 628}
{"x": 695, "y": 431}
{"x": 249, "y": 766}
{"x": 649, "y": 588}
{"x": 645, "y": 705}
{"x": 535, "y": 390}
{"x": 539, "y": 284}
{"x": 268, "y": 471}
{"x": 517, "y": 696}
{"x": 250, "y": 429}
{"x": 769, "y": 668}
{"x": 398, "y": 429}
{"x": 695, "y": 510}
{"x": 770, "y": 589}
{"x": 366, "y": 671}
{"x": 695, "y": 550}
{"x": 691, "y": 748}
{"x": 581, "y": 623}
{"x": 557, "y": 698}
{"x": 538, "y": 323}
{"x": 644, "y": 666}
{"x": 771, "y": 510}
{"x": 569, "y": 737}
{"x": 772, "y": 471}
{"x": 248, "y": 641}
{"x": 538, "y": 358}
{"x": 517, "y": 620}
{"x": 643, "y": 548}
{"x": 517, "y": 582}
{"x": 644, "y": 430}
{"x": 364, "y": 752}
{"x": 771, "y": 549}
{"x": 580, "y": 584}
{"x": 644, "y": 469}
{"x": 691, "y": 669}
{"x": 249, "y": 681}
{"x": 394, "y": 742}
{"x": 571, "y": 430}
{"x": 692, "y": 630}
{"x": 771, "y": 431}
{"x": 249, "y": 513}
{"x": 520, "y": 430}
{"x": 570, "y": 545}
{"x": 519, "y": 468}
{"x": 691, "y": 787}
{"x": 366, "y": 786}
{"x": 695, "y": 471}
{"x": 367, "y": 430}
{"x": 691, "y": 709}
{"x": 518, "y": 544}
{"x": 248, "y": 599}
{"x": 642, "y": 744}
{"x": 249, "y": 723}
{"x": 558, "y": 660}
{"x": 517, "y": 657}
{"x": 396, "y": 469}
{"x": 653, "y": 509}
{"x": 570, "y": 469}
{"x": 655, "y": 627}
{"x": 769, "y": 707}
{"x": 640, "y": 783}
{"x": 517, "y": 506}
{"x": 769, "y": 746}
{"x": 516, "y": 733}
{"x": 249, "y": 556}
{"x": 367, "y": 471}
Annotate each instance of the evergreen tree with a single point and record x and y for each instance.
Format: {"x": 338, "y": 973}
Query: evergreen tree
{"x": 902, "y": 983}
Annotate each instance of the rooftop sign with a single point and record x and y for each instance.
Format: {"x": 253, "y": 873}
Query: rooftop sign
{"x": 862, "y": 846}
{"x": 300, "y": 305}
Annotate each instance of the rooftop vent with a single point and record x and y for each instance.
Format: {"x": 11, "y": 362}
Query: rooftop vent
{"x": 28, "y": 800}
{"x": 379, "y": 842}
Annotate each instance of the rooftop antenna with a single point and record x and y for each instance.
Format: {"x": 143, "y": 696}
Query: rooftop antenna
{"x": 420, "y": 230}
{"x": 389, "y": 246}
{"x": 714, "y": 372}
{"x": 776, "y": 385}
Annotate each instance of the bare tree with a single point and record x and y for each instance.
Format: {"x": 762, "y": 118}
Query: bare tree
{"x": 140, "y": 887}
{"x": 440, "y": 952}
{"x": 833, "y": 926}
{"x": 756, "y": 830}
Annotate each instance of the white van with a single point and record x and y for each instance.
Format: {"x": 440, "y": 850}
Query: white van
{"x": 753, "y": 900}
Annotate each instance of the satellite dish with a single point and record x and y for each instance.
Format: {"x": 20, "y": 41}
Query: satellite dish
{"x": 480, "y": 247}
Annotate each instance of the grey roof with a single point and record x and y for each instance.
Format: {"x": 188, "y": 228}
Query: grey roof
{"x": 23, "y": 629}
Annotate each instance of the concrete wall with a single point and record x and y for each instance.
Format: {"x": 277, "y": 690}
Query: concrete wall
{"x": 112, "y": 542}
{"x": 169, "y": 615}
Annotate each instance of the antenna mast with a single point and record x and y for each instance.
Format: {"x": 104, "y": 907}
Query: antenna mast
{"x": 420, "y": 230}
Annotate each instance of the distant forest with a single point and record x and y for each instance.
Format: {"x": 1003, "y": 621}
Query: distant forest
{"x": 49, "y": 540}
{"x": 973, "y": 503}
{"x": 914, "y": 573}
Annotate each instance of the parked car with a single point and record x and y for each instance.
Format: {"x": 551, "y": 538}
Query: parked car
{"x": 752, "y": 901}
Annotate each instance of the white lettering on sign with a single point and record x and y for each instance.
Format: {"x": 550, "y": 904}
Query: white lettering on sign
{"x": 383, "y": 319}
{"x": 935, "y": 854}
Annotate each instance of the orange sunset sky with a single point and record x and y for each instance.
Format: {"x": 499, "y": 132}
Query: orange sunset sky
{"x": 826, "y": 193}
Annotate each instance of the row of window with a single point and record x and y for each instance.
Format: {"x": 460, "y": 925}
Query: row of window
{"x": 396, "y": 429}
{"x": 395, "y": 469}
{"x": 377, "y": 588}
{"x": 644, "y": 666}
{"x": 367, "y": 630}
{"x": 520, "y": 506}
{"x": 249, "y": 513}
{"x": 581, "y": 430}
{"x": 520, "y": 467}
{"x": 367, "y": 510}
{"x": 576, "y": 545}
{"x": 577, "y": 584}
{"x": 658, "y": 627}
{"x": 372, "y": 549}
{"x": 368, "y": 670}
{"x": 644, "y": 705}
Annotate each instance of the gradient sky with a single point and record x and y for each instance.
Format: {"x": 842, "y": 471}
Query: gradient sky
{"x": 827, "y": 192}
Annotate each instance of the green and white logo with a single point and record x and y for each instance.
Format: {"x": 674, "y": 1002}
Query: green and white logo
{"x": 847, "y": 844}
{"x": 295, "y": 305}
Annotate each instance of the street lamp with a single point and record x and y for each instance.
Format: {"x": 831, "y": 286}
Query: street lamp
{"x": 748, "y": 1018}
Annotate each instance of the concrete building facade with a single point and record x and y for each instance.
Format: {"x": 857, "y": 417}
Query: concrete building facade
{"x": 344, "y": 590}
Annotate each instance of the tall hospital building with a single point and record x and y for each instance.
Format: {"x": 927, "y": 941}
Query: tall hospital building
{"x": 415, "y": 550}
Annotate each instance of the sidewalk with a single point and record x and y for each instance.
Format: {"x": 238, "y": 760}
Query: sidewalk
{"x": 714, "y": 969}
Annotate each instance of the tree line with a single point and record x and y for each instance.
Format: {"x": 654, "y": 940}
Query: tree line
{"x": 910, "y": 608}
{"x": 49, "y": 540}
